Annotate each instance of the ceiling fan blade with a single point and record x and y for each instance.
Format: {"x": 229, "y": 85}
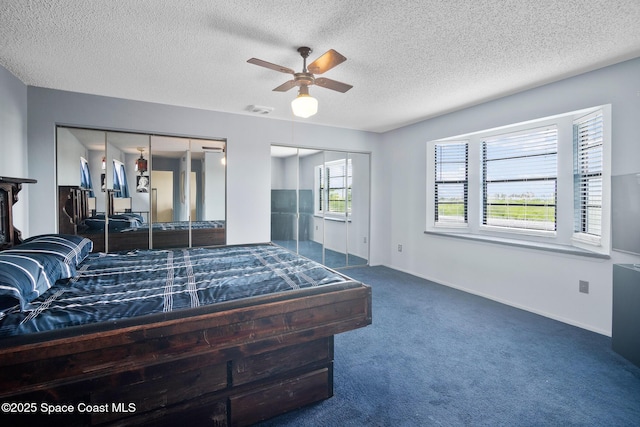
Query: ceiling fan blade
{"x": 327, "y": 61}
{"x": 332, "y": 84}
{"x": 271, "y": 66}
{"x": 286, "y": 86}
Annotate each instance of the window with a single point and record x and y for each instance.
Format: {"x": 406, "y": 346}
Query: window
{"x": 544, "y": 181}
{"x": 333, "y": 187}
{"x": 85, "y": 176}
{"x": 588, "y": 156}
{"x": 451, "y": 183}
{"x": 120, "y": 186}
{"x": 519, "y": 184}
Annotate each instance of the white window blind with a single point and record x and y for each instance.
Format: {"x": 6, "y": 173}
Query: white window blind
{"x": 451, "y": 185}
{"x": 520, "y": 179}
{"x": 588, "y": 155}
{"x": 320, "y": 189}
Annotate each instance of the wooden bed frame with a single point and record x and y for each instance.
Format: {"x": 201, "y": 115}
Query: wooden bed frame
{"x": 73, "y": 209}
{"x": 234, "y": 364}
{"x": 228, "y": 364}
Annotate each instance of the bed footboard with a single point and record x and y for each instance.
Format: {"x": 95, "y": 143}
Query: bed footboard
{"x": 237, "y": 366}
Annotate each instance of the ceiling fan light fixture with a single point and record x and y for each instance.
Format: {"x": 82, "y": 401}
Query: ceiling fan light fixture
{"x": 304, "y": 105}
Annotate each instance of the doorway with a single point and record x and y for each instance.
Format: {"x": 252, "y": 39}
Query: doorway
{"x": 162, "y": 196}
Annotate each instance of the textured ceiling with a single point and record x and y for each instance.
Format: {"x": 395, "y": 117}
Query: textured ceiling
{"x": 407, "y": 60}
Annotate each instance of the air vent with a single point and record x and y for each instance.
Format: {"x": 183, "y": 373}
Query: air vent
{"x": 259, "y": 109}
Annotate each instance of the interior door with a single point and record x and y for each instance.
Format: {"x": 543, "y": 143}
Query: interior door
{"x": 162, "y": 193}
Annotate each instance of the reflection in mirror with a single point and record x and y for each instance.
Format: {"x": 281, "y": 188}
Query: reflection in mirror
{"x": 283, "y": 197}
{"x": 134, "y": 191}
{"x": 169, "y": 189}
{"x": 87, "y": 147}
{"x": 335, "y": 189}
{"x": 81, "y": 188}
{"x": 320, "y": 204}
{"x": 208, "y": 160}
{"x": 127, "y": 202}
{"x": 358, "y": 213}
{"x": 311, "y": 234}
{"x": 188, "y": 191}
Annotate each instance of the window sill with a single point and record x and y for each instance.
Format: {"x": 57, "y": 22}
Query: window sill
{"x": 332, "y": 218}
{"x": 563, "y": 249}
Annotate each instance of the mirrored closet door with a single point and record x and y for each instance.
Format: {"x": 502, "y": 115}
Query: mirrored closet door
{"x": 136, "y": 191}
{"x": 320, "y": 204}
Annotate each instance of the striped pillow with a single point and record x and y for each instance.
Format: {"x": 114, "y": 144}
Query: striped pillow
{"x": 71, "y": 248}
{"x": 26, "y": 276}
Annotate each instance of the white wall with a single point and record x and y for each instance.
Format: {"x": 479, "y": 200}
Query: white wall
{"x": 249, "y": 142}
{"x": 13, "y": 140}
{"x": 539, "y": 281}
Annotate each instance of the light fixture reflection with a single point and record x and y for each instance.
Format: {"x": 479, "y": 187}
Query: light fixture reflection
{"x": 141, "y": 163}
{"x": 304, "y": 105}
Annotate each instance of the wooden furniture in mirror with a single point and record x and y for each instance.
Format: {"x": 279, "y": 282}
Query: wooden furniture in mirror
{"x": 73, "y": 208}
{"x": 9, "y": 189}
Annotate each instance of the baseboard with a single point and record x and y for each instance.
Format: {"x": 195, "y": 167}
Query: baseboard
{"x": 506, "y": 302}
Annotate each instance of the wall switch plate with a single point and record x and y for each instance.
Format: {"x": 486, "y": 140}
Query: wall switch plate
{"x": 399, "y": 248}
{"x": 583, "y": 286}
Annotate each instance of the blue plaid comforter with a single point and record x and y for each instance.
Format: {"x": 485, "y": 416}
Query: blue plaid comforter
{"x": 117, "y": 286}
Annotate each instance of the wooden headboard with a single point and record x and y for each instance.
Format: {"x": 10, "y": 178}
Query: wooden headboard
{"x": 9, "y": 189}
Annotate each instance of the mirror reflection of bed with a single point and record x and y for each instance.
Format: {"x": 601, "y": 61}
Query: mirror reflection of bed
{"x": 142, "y": 199}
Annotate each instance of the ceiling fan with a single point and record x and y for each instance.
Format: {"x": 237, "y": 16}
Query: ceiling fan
{"x": 304, "y": 105}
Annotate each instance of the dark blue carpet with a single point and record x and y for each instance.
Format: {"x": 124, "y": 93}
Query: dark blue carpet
{"x": 442, "y": 357}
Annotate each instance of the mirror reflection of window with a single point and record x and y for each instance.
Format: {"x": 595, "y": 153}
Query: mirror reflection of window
{"x": 120, "y": 185}
{"x": 333, "y": 188}
{"x": 85, "y": 176}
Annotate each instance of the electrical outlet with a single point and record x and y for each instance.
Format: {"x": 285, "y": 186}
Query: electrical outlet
{"x": 399, "y": 248}
{"x": 583, "y": 286}
{"x": 364, "y": 240}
